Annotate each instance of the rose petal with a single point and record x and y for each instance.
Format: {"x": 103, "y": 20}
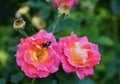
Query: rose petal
{"x": 82, "y": 72}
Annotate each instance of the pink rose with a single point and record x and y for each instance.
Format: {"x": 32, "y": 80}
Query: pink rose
{"x": 79, "y": 55}
{"x": 38, "y": 55}
{"x": 69, "y": 3}
{"x": 47, "y": 0}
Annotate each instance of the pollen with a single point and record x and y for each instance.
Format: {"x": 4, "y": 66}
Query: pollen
{"x": 64, "y": 9}
{"x": 79, "y": 55}
{"x": 39, "y": 54}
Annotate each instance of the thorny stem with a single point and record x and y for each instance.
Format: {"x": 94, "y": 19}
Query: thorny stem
{"x": 28, "y": 16}
{"x": 56, "y": 23}
{"x": 23, "y": 33}
{"x": 33, "y": 80}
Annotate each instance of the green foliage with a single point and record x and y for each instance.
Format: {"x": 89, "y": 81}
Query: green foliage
{"x": 2, "y": 81}
{"x": 97, "y": 19}
{"x": 106, "y": 41}
{"x": 16, "y": 78}
{"x": 115, "y": 6}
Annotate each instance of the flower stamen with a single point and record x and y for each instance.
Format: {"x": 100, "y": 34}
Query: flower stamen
{"x": 64, "y": 9}
{"x": 39, "y": 54}
{"x": 79, "y": 56}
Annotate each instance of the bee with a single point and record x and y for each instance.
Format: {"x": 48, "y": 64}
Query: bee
{"x": 46, "y": 44}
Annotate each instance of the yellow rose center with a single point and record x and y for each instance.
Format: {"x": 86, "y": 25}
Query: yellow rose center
{"x": 79, "y": 56}
{"x": 39, "y": 54}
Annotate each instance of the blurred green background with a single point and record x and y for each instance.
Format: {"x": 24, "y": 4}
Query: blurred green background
{"x": 97, "y": 19}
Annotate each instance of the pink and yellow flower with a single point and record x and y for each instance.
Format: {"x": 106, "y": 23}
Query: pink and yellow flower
{"x": 79, "y": 55}
{"x": 38, "y": 55}
{"x": 70, "y": 3}
{"x": 64, "y": 6}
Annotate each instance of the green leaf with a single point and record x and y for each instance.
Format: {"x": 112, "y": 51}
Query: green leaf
{"x": 100, "y": 67}
{"x": 16, "y": 78}
{"x": 61, "y": 25}
{"x": 111, "y": 69}
{"x": 12, "y": 49}
{"x": 104, "y": 40}
{"x": 106, "y": 58}
{"x": 32, "y": 4}
{"x": 69, "y": 78}
{"x": 44, "y": 13}
{"x": 87, "y": 81}
{"x": 54, "y": 82}
{"x": 117, "y": 49}
{"x": 47, "y": 80}
{"x": 115, "y": 6}
{"x": 3, "y": 57}
{"x": 50, "y": 27}
{"x": 60, "y": 74}
{"x": 2, "y": 81}
{"x": 37, "y": 4}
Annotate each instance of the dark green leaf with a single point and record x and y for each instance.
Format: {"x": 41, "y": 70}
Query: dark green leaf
{"x": 2, "y": 81}
{"x": 111, "y": 69}
{"x": 44, "y": 13}
{"x": 103, "y": 40}
{"x": 47, "y": 80}
{"x": 115, "y": 6}
{"x": 87, "y": 81}
{"x": 16, "y": 78}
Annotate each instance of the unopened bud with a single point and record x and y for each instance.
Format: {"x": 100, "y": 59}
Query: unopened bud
{"x": 38, "y": 22}
{"x": 18, "y": 15}
{"x": 41, "y": 25}
{"x": 23, "y": 9}
{"x": 36, "y": 19}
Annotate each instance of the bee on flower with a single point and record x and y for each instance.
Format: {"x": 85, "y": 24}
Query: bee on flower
{"x": 38, "y": 55}
{"x": 46, "y": 44}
